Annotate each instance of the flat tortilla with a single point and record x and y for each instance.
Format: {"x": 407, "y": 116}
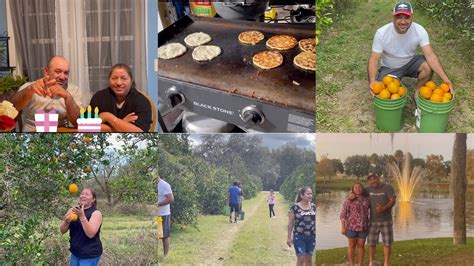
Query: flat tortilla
{"x": 251, "y": 37}
{"x": 206, "y": 52}
{"x": 282, "y": 42}
{"x": 268, "y": 59}
{"x": 197, "y": 38}
{"x": 306, "y": 61}
{"x": 308, "y": 45}
{"x": 171, "y": 50}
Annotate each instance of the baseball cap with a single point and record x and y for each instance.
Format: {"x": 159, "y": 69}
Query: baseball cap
{"x": 371, "y": 175}
{"x": 403, "y": 8}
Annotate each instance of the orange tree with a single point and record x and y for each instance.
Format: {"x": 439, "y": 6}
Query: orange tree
{"x": 35, "y": 171}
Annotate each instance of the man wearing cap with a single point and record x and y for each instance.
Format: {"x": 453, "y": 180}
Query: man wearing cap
{"x": 382, "y": 199}
{"x": 395, "y": 46}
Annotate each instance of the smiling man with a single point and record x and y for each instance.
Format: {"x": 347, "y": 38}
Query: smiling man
{"x": 395, "y": 47}
{"x": 53, "y": 91}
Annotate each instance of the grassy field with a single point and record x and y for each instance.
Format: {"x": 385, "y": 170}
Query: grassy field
{"x": 125, "y": 240}
{"x": 256, "y": 240}
{"x": 342, "y": 97}
{"x": 436, "y": 251}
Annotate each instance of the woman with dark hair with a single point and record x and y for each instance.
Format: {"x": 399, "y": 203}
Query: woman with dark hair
{"x": 122, "y": 107}
{"x": 302, "y": 224}
{"x": 84, "y": 223}
{"x": 355, "y": 222}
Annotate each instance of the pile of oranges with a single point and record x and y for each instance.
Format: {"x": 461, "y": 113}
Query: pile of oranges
{"x": 436, "y": 94}
{"x": 389, "y": 88}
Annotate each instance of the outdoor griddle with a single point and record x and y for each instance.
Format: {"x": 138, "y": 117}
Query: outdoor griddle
{"x": 230, "y": 88}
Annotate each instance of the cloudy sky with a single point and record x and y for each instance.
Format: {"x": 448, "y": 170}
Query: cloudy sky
{"x": 340, "y": 146}
{"x": 272, "y": 141}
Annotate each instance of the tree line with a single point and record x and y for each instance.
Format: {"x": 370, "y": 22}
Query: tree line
{"x": 436, "y": 168}
{"x": 200, "y": 175}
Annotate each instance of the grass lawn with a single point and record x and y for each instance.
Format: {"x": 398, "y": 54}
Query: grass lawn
{"x": 342, "y": 97}
{"x": 434, "y": 251}
{"x": 125, "y": 240}
{"x": 255, "y": 240}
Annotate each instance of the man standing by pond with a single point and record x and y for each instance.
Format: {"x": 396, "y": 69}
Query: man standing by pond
{"x": 165, "y": 198}
{"x": 382, "y": 199}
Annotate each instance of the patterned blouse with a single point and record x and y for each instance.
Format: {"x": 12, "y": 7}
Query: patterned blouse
{"x": 355, "y": 213}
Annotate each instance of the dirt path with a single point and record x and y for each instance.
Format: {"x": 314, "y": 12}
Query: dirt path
{"x": 223, "y": 244}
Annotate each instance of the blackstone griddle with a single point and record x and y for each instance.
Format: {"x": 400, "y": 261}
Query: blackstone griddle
{"x": 230, "y": 88}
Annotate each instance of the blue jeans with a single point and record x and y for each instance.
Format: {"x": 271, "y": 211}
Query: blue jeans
{"x": 76, "y": 261}
{"x": 304, "y": 245}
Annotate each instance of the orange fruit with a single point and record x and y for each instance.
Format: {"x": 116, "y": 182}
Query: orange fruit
{"x": 396, "y": 81}
{"x": 430, "y": 84}
{"x": 87, "y": 139}
{"x": 425, "y": 92}
{"x": 448, "y": 96}
{"x": 387, "y": 80}
{"x": 377, "y": 87}
{"x": 73, "y": 188}
{"x": 436, "y": 98}
{"x": 394, "y": 96}
{"x": 384, "y": 94}
{"x": 392, "y": 87}
{"x": 444, "y": 87}
{"x": 87, "y": 170}
{"x": 73, "y": 217}
{"x": 440, "y": 92}
{"x": 402, "y": 91}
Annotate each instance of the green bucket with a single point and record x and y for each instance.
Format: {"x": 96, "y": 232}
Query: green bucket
{"x": 242, "y": 215}
{"x": 389, "y": 113}
{"x": 432, "y": 117}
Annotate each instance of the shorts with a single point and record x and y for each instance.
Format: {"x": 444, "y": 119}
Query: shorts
{"x": 356, "y": 234}
{"x": 166, "y": 226}
{"x": 411, "y": 69}
{"x": 76, "y": 261}
{"x": 304, "y": 245}
{"x": 234, "y": 207}
{"x": 385, "y": 228}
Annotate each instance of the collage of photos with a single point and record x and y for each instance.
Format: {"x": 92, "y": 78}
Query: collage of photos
{"x": 271, "y": 132}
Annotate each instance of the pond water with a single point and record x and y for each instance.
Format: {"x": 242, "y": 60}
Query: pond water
{"x": 427, "y": 216}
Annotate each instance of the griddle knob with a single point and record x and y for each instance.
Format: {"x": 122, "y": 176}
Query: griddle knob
{"x": 175, "y": 96}
{"x": 252, "y": 116}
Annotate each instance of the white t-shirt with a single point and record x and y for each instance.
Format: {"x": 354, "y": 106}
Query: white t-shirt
{"x": 39, "y": 102}
{"x": 163, "y": 189}
{"x": 398, "y": 49}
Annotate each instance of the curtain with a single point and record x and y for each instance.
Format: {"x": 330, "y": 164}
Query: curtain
{"x": 93, "y": 35}
{"x": 70, "y": 43}
{"x": 33, "y": 23}
{"x": 116, "y": 34}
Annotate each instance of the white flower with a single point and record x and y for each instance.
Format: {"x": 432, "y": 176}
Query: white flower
{"x": 7, "y": 108}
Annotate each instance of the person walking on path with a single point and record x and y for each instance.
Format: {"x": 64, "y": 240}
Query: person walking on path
{"x": 395, "y": 47}
{"x": 355, "y": 222}
{"x": 271, "y": 199}
{"x": 233, "y": 197}
{"x": 165, "y": 198}
{"x": 302, "y": 227}
{"x": 382, "y": 199}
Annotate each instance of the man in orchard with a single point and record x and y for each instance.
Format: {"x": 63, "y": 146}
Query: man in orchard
{"x": 395, "y": 46}
{"x": 165, "y": 198}
{"x": 233, "y": 199}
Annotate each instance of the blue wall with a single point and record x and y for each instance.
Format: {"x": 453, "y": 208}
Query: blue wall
{"x": 3, "y": 17}
{"x": 152, "y": 47}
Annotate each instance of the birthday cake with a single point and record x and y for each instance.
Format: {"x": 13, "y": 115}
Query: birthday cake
{"x": 89, "y": 123}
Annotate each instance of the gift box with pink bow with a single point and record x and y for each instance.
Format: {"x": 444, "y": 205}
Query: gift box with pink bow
{"x": 46, "y": 121}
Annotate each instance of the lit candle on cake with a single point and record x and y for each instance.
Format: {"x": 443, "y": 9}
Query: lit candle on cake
{"x": 89, "y": 110}
{"x": 96, "y": 111}
{"x": 82, "y": 112}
